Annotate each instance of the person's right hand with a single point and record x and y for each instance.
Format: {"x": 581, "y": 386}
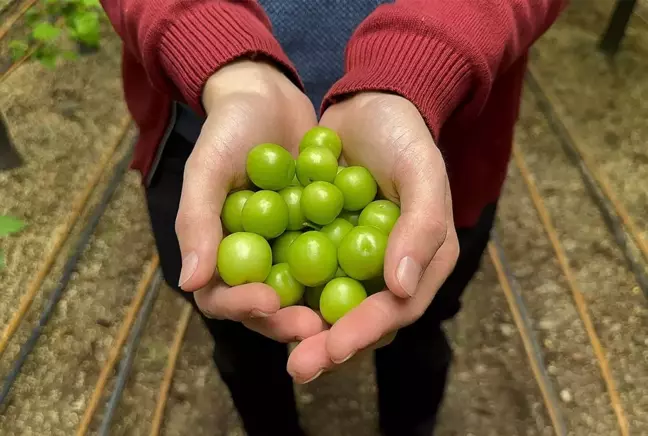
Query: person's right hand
{"x": 247, "y": 103}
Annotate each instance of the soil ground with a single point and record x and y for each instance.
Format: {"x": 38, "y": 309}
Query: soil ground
{"x": 65, "y": 121}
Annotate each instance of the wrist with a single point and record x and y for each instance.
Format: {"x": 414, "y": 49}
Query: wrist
{"x": 244, "y": 76}
{"x": 182, "y": 52}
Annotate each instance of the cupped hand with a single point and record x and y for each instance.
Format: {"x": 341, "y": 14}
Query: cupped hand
{"x": 386, "y": 134}
{"x": 247, "y": 103}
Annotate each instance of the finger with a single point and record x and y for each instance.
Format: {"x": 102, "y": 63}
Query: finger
{"x": 377, "y": 316}
{"x": 309, "y": 359}
{"x": 359, "y": 355}
{"x": 198, "y": 226}
{"x": 252, "y": 300}
{"x": 294, "y": 323}
{"x": 384, "y": 313}
{"x": 420, "y": 180}
{"x": 357, "y": 358}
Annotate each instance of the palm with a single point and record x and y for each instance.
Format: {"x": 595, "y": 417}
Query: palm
{"x": 375, "y": 136}
{"x": 387, "y": 135}
{"x": 244, "y": 120}
{"x": 247, "y": 104}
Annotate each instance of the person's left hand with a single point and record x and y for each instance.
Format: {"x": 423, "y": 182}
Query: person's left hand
{"x": 386, "y": 134}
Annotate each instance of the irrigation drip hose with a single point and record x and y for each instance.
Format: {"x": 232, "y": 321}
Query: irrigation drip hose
{"x": 59, "y": 238}
{"x": 11, "y": 20}
{"x": 128, "y": 357}
{"x": 68, "y": 270}
{"x": 513, "y": 295}
{"x": 117, "y": 344}
{"x": 577, "y": 295}
{"x": 609, "y": 212}
{"x": 165, "y": 386}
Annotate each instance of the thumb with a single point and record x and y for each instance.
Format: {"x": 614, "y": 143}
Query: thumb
{"x": 419, "y": 178}
{"x": 198, "y": 226}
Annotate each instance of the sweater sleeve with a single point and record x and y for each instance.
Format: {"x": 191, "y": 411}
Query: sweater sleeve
{"x": 181, "y": 43}
{"x": 442, "y": 55}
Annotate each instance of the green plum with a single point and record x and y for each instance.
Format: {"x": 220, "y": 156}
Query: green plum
{"x": 312, "y": 259}
{"x": 292, "y": 197}
{"x": 316, "y": 164}
{"x": 270, "y": 166}
{"x": 244, "y": 258}
{"x": 280, "y": 246}
{"x": 321, "y": 202}
{"x": 362, "y": 252}
{"x": 337, "y": 230}
{"x": 312, "y": 295}
{"x": 357, "y": 186}
{"x": 322, "y": 137}
{"x": 266, "y": 214}
{"x": 339, "y": 297}
{"x": 232, "y": 208}
{"x": 290, "y": 291}
{"x": 381, "y": 214}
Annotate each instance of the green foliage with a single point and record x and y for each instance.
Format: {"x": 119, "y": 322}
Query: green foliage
{"x": 45, "y": 32}
{"x": 52, "y": 22}
{"x": 8, "y": 226}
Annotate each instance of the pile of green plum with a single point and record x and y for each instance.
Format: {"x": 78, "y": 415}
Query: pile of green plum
{"x": 328, "y": 232}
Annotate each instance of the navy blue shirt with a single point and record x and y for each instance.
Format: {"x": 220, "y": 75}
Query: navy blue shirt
{"x": 314, "y": 34}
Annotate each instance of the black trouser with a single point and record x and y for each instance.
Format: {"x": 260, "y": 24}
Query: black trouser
{"x": 411, "y": 371}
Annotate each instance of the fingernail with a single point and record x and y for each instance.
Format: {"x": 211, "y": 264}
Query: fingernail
{"x": 339, "y": 362}
{"x": 256, "y": 313}
{"x": 408, "y": 275}
{"x": 313, "y": 377}
{"x": 189, "y": 265}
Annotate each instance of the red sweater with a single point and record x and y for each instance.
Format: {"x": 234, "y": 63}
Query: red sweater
{"x": 461, "y": 62}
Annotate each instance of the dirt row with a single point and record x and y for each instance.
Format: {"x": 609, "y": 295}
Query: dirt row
{"x": 63, "y": 122}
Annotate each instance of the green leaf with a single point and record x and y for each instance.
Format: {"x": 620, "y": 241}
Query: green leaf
{"x": 86, "y": 28}
{"x": 9, "y": 225}
{"x": 82, "y": 20}
{"x": 48, "y": 60}
{"x": 18, "y": 49}
{"x": 45, "y": 32}
{"x": 91, "y": 4}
